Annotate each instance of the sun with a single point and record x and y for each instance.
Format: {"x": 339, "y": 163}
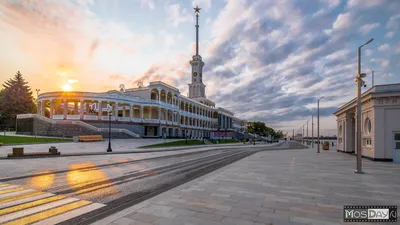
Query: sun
{"x": 67, "y": 87}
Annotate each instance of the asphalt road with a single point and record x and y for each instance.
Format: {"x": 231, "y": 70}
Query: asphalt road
{"x": 115, "y": 182}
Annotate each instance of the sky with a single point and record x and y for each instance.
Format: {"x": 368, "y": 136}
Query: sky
{"x": 265, "y": 60}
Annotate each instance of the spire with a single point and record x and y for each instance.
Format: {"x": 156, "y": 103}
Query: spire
{"x": 197, "y": 12}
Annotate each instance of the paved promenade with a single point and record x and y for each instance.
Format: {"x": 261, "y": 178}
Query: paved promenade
{"x": 271, "y": 187}
{"x": 118, "y": 146}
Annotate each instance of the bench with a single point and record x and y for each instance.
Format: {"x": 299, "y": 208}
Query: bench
{"x": 90, "y": 138}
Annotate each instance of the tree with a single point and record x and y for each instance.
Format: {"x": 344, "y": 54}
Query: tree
{"x": 16, "y": 98}
{"x": 260, "y": 129}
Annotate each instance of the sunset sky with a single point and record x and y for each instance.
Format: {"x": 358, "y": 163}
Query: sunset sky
{"x": 266, "y": 60}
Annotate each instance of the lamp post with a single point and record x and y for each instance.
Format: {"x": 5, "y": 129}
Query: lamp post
{"x": 37, "y": 93}
{"x": 312, "y": 130}
{"x": 307, "y": 133}
{"x": 109, "y": 132}
{"x": 318, "y": 122}
{"x": 359, "y": 82}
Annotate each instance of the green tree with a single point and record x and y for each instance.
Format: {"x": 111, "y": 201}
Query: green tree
{"x": 16, "y": 98}
{"x": 260, "y": 129}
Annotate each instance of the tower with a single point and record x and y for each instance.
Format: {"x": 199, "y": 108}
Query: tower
{"x": 197, "y": 88}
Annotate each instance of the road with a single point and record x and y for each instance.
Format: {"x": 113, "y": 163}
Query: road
{"x": 81, "y": 190}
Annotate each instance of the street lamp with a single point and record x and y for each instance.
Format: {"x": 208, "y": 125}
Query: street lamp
{"x": 318, "y": 122}
{"x": 109, "y": 132}
{"x": 312, "y": 130}
{"x": 359, "y": 82}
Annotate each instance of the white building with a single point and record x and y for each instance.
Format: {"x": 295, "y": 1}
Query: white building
{"x": 380, "y": 124}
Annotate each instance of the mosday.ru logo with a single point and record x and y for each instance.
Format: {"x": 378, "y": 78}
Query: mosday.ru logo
{"x": 378, "y": 214}
{"x": 356, "y": 214}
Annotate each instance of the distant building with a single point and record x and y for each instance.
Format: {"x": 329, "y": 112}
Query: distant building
{"x": 380, "y": 124}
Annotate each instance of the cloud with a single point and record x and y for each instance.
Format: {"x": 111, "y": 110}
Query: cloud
{"x": 389, "y": 34}
{"x": 148, "y": 3}
{"x": 365, "y": 29}
{"x": 393, "y": 22}
{"x": 398, "y": 48}
{"x": 177, "y": 16}
{"x": 364, "y": 4}
{"x": 72, "y": 81}
{"x": 116, "y": 77}
{"x": 264, "y": 60}
{"x": 383, "y": 47}
{"x": 343, "y": 21}
{"x": 368, "y": 52}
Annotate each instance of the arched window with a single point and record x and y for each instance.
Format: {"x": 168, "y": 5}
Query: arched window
{"x": 340, "y": 130}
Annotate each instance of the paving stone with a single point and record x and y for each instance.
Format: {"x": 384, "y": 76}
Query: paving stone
{"x": 142, "y": 217}
{"x": 196, "y": 220}
{"x": 184, "y": 212}
{"x": 220, "y": 195}
{"x": 227, "y": 213}
{"x": 165, "y": 214}
{"x": 245, "y": 211}
{"x": 165, "y": 221}
{"x": 297, "y": 219}
{"x": 220, "y": 207}
{"x": 284, "y": 217}
{"x": 259, "y": 219}
{"x": 123, "y": 221}
{"x": 209, "y": 216}
{"x": 235, "y": 221}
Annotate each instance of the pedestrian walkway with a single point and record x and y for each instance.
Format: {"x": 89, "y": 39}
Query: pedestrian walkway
{"x": 82, "y": 148}
{"x": 20, "y": 205}
{"x": 271, "y": 187}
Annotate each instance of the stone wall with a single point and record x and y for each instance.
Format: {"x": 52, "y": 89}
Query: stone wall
{"x": 43, "y": 128}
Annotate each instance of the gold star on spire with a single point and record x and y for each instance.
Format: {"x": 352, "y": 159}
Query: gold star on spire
{"x": 197, "y": 9}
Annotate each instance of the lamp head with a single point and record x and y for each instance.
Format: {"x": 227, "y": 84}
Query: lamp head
{"x": 369, "y": 41}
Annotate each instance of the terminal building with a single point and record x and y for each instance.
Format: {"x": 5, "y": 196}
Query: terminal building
{"x": 380, "y": 124}
{"x": 158, "y": 110}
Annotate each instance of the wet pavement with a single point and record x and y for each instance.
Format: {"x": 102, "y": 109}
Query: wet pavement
{"x": 103, "y": 184}
{"x": 290, "y": 187}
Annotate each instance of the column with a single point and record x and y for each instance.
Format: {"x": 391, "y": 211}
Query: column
{"x": 82, "y": 109}
{"x": 99, "y": 110}
{"x": 141, "y": 112}
{"x": 87, "y": 108}
{"x": 75, "y": 108}
{"x": 116, "y": 104}
{"x": 65, "y": 110}
{"x": 150, "y": 112}
{"x": 130, "y": 112}
{"x": 159, "y": 113}
{"x": 43, "y": 108}
{"x": 123, "y": 111}
{"x": 51, "y": 108}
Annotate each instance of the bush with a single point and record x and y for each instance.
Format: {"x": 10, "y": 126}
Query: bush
{"x": 326, "y": 143}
